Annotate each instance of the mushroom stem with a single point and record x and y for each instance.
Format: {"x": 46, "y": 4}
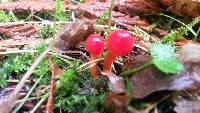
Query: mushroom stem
{"x": 109, "y": 58}
{"x": 93, "y": 69}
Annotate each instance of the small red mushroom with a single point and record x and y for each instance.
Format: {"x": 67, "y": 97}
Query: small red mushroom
{"x": 120, "y": 43}
{"x": 94, "y": 45}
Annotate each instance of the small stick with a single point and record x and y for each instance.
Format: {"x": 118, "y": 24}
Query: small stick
{"x": 50, "y": 102}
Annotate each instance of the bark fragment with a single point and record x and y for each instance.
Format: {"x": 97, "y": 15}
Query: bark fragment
{"x": 18, "y": 31}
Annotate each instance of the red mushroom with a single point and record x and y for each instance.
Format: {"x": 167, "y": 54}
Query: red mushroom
{"x": 120, "y": 43}
{"x": 94, "y": 45}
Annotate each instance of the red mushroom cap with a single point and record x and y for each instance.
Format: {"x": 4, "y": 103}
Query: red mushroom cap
{"x": 95, "y": 44}
{"x": 120, "y": 42}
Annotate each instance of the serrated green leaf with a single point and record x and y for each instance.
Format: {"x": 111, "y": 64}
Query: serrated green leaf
{"x": 164, "y": 58}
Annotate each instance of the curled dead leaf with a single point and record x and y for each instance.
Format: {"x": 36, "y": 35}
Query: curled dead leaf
{"x": 151, "y": 79}
{"x": 71, "y": 34}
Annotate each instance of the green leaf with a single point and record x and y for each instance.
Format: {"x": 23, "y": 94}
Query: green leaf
{"x": 164, "y": 58}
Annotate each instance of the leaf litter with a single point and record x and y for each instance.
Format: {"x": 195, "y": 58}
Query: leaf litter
{"x": 143, "y": 83}
{"x": 151, "y": 79}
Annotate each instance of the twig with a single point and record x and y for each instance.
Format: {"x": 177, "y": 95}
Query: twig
{"x": 50, "y": 102}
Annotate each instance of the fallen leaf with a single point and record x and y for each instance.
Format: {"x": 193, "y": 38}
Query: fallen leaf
{"x": 190, "y": 52}
{"x": 151, "y": 79}
{"x": 184, "y": 105}
{"x": 71, "y": 34}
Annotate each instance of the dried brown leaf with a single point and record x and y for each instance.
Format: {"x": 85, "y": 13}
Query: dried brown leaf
{"x": 151, "y": 79}
{"x": 71, "y": 34}
{"x": 190, "y": 53}
{"x": 184, "y": 105}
